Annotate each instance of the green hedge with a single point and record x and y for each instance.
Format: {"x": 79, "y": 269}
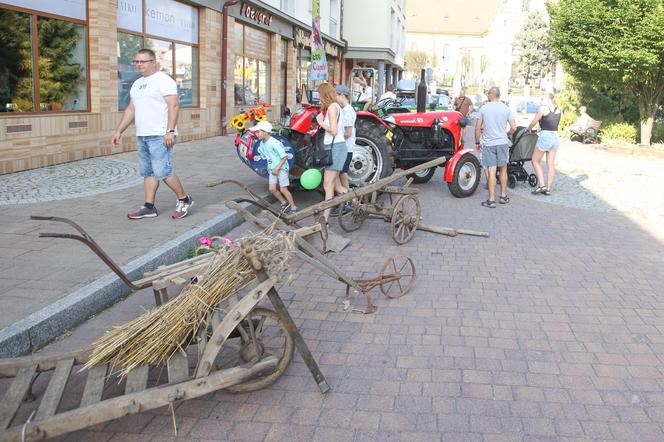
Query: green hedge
{"x": 658, "y": 133}
{"x": 618, "y": 132}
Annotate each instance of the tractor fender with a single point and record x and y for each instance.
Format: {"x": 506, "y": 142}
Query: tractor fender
{"x": 451, "y": 164}
{"x": 369, "y": 115}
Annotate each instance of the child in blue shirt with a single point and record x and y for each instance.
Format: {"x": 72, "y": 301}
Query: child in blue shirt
{"x": 277, "y": 164}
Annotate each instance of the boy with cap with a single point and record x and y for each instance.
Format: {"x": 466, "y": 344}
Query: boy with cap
{"x": 277, "y": 164}
{"x": 349, "y": 117}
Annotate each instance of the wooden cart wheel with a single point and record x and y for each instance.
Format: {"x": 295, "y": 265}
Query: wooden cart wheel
{"x": 403, "y": 271}
{"x": 352, "y": 217}
{"x": 260, "y": 334}
{"x": 406, "y": 215}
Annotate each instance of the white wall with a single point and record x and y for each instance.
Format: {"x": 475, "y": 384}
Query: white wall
{"x": 376, "y": 24}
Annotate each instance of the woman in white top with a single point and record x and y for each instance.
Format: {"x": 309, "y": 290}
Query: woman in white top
{"x": 334, "y": 140}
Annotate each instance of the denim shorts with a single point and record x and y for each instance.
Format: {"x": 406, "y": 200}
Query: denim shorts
{"x": 548, "y": 140}
{"x": 493, "y": 156}
{"x": 154, "y": 158}
{"x": 281, "y": 178}
{"x": 339, "y": 153}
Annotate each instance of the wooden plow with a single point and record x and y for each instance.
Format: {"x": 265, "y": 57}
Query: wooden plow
{"x": 243, "y": 347}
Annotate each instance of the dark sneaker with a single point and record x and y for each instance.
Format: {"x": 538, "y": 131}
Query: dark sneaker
{"x": 143, "y": 212}
{"x": 182, "y": 209}
{"x": 334, "y": 211}
{"x": 290, "y": 210}
{"x": 284, "y": 207}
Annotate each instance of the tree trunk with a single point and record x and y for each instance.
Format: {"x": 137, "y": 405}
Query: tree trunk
{"x": 647, "y": 112}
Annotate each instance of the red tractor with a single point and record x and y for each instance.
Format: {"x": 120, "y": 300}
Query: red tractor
{"x": 388, "y": 140}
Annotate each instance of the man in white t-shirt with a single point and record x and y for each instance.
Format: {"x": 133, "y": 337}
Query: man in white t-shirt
{"x": 154, "y": 108}
{"x": 389, "y": 94}
{"x": 365, "y": 94}
{"x": 349, "y": 117}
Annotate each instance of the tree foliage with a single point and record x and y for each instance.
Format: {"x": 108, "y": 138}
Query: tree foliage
{"x": 416, "y": 60}
{"x": 616, "y": 44}
{"x": 535, "y": 56}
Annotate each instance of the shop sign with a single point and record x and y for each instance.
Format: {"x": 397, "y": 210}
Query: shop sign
{"x": 66, "y": 8}
{"x": 130, "y": 15}
{"x": 172, "y": 20}
{"x": 255, "y": 14}
{"x": 303, "y": 38}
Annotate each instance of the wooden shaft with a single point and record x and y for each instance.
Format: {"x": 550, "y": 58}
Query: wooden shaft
{"x": 358, "y": 192}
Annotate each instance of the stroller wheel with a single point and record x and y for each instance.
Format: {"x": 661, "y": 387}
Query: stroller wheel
{"x": 532, "y": 180}
{"x": 511, "y": 181}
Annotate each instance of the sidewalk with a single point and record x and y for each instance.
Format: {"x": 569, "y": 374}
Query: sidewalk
{"x": 36, "y": 272}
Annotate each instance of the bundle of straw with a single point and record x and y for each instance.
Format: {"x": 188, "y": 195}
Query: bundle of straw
{"x": 153, "y": 337}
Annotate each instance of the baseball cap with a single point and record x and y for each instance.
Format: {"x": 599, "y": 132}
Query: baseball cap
{"x": 343, "y": 90}
{"x": 262, "y": 125}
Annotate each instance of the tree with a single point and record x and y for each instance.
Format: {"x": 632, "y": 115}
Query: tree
{"x": 614, "y": 43}
{"x": 466, "y": 64}
{"x": 416, "y": 61}
{"x": 535, "y": 56}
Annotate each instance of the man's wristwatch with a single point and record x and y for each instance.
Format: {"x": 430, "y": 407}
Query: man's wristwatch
{"x": 170, "y": 131}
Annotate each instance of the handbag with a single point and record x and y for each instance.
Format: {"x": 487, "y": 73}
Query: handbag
{"x": 323, "y": 157}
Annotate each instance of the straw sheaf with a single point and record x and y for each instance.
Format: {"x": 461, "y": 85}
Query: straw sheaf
{"x": 153, "y": 337}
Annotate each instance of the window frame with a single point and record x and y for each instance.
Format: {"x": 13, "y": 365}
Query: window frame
{"x": 34, "y": 42}
{"x": 267, "y": 60}
{"x": 173, "y": 43}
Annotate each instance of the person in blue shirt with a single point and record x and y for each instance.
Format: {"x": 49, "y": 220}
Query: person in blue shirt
{"x": 277, "y": 164}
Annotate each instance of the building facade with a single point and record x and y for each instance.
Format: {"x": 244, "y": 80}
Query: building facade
{"x": 66, "y": 68}
{"x": 477, "y": 50}
{"x": 376, "y": 34}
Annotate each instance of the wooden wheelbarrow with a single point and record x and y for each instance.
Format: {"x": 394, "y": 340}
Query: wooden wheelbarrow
{"x": 245, "y": 348}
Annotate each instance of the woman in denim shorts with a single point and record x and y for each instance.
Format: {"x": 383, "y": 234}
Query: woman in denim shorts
{"x": 548, "y": 142}
{"x": 334, "y": 141}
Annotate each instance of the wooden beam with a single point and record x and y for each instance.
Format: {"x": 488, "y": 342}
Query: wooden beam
{"x": 12, "y": 399}
{"x": 94, "y": 385}
{"x": 137, "y": 379}
{"x": 448, "y": 231}
{"x": 56, "y": 386}
{"x": 359, "y": 191}
{"x": 178, "y": 368}
{"x": 134, "y": 403}
{"x": 9, "y": 368}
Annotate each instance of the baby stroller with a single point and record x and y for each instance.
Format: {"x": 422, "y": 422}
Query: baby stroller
{"x": 523, "y": 144}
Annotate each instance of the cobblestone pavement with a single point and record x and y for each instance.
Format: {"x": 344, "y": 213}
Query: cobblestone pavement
{"x": 602, "y": 181}
{"x": 551, "y": 329}
{"x": 35, "y": 272}
{"x": 69, "y": 180}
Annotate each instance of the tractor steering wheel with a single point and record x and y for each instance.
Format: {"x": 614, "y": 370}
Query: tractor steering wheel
{"x": 384, "y": 103}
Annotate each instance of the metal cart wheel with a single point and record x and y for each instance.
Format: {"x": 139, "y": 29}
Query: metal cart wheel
{"x": 405, "y": 218}
{"x": 402, "y": 270}
{"x": 351, "y": 218}
{"x": 259, "y": 335}
{"x": 532, "y": 180}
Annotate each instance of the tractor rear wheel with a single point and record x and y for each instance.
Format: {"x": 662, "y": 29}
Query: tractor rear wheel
{"x": 373, "y": 157}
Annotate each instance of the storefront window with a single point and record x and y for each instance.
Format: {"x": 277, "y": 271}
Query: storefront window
{"x": 186, "y": 73}
{"x": 63, "y": 82}
{"x": 169, "y": 40}
{"x": 60, "y": 81}
{"x": 164, "y": 52}
{"x": 128, "y": 46}
{"x": 16, "y": 90}
{"x": 252, "y": 66}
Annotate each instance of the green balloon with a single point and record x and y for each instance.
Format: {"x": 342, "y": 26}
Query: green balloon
{"x": 311, "y": 179}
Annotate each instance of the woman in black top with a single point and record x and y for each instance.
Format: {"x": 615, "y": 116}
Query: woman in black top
{"x": 548, "y": 142}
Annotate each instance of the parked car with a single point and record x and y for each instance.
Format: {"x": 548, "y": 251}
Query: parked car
{"x": 529, "y": 107}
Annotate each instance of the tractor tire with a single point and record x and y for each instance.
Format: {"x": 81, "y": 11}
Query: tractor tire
{"x": 373, "y": 157}
{"x": 423, "y": 176}
{"x": 466, "y": 176}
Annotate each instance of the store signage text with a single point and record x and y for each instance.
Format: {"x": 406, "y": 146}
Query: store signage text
{"x": 255, "y": 14}
{"x": 303, "y": 38}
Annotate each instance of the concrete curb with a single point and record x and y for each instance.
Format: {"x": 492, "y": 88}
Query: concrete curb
{"x": 38, "y": 329}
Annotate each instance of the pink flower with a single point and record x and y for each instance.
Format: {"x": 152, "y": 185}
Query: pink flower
{"x": 205, "y": 241}
{"x": 227, "y": 242}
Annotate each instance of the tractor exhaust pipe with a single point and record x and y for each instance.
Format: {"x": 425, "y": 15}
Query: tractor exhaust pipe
{"x": 422, "y": 93}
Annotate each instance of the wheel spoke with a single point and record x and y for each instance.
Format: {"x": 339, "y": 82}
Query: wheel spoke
{"x": 402, "y": 267}
{"x": 394, "y": 265}
{"x": 387, "y": 290}
{"x": 400, "y": 288}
